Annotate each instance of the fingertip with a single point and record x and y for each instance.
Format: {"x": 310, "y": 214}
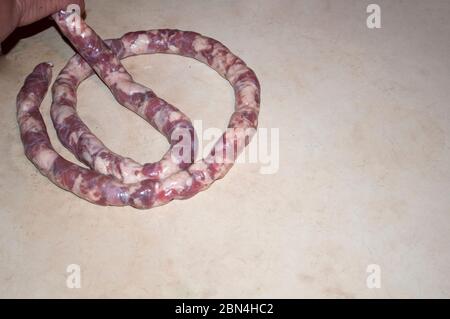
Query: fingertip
{"x": 30, "y": 11}
{"x": 82, "y": 6}
{"x": 80, "y": 3}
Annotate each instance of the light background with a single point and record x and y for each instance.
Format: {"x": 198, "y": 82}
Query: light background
{"x": 364, "y": 176}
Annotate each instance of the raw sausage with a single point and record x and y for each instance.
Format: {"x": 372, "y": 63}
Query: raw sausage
{"x": 107, "y": 188}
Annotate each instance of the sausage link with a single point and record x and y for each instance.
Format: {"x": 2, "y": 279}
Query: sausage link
{"x": 76, "y": 136}
{"x": 104, "y": 188}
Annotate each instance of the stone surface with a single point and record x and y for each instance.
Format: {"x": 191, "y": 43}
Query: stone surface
{"x": 364, "y": 160}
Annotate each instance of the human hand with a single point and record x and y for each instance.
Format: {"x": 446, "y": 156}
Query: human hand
{"x": 17, "y": 13}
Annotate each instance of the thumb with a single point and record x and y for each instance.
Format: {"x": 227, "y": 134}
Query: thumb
{"x": 30, "y": 11}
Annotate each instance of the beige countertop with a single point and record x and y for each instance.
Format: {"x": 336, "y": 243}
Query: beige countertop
{"x": 364, "y": 160}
